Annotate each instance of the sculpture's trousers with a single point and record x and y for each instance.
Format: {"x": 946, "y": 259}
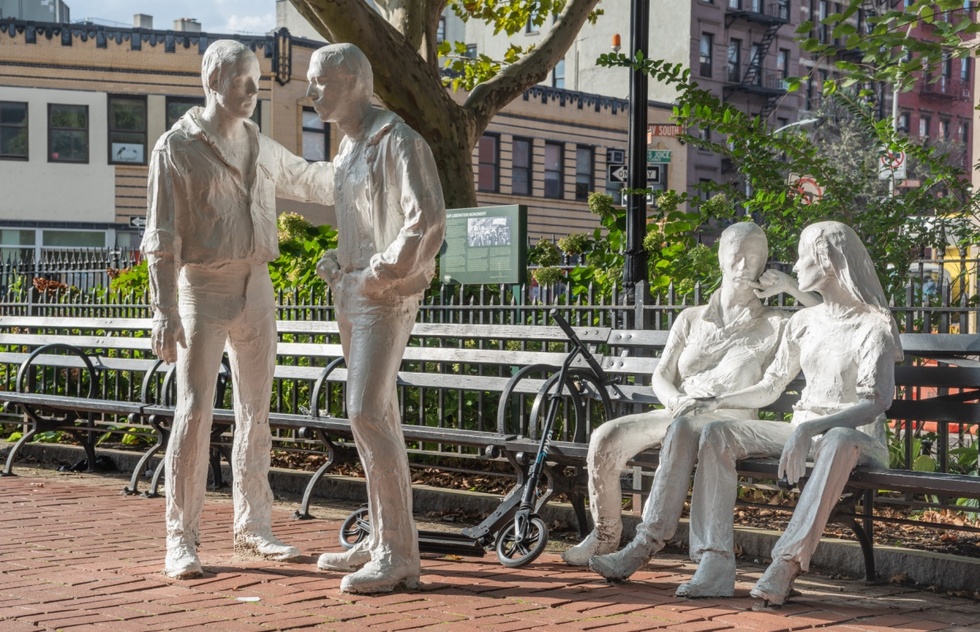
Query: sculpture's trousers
{"x": 374, "y": 332}
{"x": 235, "y": 304}
{"x": 716, "y": 483}
{"x": 613, "y": 444}
{"x": 662, "y": 511}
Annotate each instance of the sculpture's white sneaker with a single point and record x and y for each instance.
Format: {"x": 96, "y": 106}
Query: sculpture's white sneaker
{"x": 381, "y": 576}
{"x": 715, "y": 577}
{"x": 346, "y": 561}
{"x": 594, "y": 544}
{"x": 621, "y": 564}
{"x": 264, "y": 546}
{"x": 182, "y": 562}
{"x": 776, "y": 583}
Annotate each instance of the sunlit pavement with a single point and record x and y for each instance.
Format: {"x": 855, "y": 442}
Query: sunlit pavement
{"x": 78, "y": 555}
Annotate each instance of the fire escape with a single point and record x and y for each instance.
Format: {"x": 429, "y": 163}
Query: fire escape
{"x": 756, "y": 80}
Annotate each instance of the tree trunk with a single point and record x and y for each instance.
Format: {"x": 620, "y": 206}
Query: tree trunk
{"x": 408, "y": 80}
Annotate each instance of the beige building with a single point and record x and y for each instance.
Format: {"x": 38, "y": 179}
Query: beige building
{"x": 81, "y": 107}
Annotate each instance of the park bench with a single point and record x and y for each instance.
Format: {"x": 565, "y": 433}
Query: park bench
{"x": 938, "y": 387}
{"x": 491, "y": 364}
{"x": 448, "y": 363}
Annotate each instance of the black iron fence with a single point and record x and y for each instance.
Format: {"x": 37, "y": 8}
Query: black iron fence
{"x": 939, "y": 295}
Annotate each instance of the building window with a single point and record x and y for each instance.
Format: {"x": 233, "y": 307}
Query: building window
{"x": 531, "y": 28}
{"x": 13, "y": 130}
{"x": 441, "y": 30}
{"x": 489, "y": 168}
{"x": 558, "y": 74}
{"x": 944, "y": 129}
{"x": 127, "y": 130}
{"x": 707, "y": 44}
{"x": 178, "y": 106}
{"x": 316, "y": 136}
{"x": 67, "y": 133}
{"x": 924, "y": 122}
{"x": 755, "y": 61}
{"x": 822, "y": 29}
{"x": 704, "y": 134}
{"x": 965, "y": 69}
{"x": 735, "y": 4}
{"x": 471, "y": 51}
{"x": 810, "y": 97}
{"x": 16, "y": 245}
{"x": 903, "y": 122}
{"x": 554, "y": 167}
{"x": 735, "y": 60}
{"x": 584, "y": 171}
{"x": 782, "y": 65}
{"x": 520, "y": 175}
{"x": 965, "y": 134}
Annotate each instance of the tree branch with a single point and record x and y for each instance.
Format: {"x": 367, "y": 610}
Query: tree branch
{"x": 490, "y": 97}
{"x": 403, "y": 80}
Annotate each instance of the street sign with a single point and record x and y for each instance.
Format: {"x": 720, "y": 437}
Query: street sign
{"x": 892, "y": 164}
{"x": 137, "y": 221}
{"x": 807, "y": 187}
{"x": 664, "y": 130}
{"x": 617, "y": 173}
{"x": 658, "y": 155}
{"x": 653, "y": 174}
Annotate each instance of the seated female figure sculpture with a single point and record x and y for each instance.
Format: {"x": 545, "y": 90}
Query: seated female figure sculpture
{"x": 847, "y": 348}
{"x": 711, "y": 348}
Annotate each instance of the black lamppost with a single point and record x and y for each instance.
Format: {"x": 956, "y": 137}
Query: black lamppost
{"x": 635, "y": 265}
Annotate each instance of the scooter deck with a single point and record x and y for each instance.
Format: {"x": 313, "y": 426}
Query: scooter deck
{"x": 449, "y": 544}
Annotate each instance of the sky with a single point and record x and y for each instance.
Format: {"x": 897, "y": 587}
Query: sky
{"x": 215, "y": 16}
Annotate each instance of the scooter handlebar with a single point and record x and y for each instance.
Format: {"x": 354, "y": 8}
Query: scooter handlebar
{"x": 578, "y": 344}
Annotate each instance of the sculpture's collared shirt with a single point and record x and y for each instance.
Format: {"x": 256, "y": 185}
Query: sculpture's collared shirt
{"x": 847, "y": 358}
{"x": 391, "y": 216}
{"x": 713, "y": 357}
{"x": 202, "y": 210}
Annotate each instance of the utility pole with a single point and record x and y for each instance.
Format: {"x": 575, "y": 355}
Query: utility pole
{"x": 635, "y": 265}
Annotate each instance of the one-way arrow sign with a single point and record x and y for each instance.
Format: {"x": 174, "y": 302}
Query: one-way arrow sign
{"x": 137, "y": 221}
{"x": 617, "y": 173}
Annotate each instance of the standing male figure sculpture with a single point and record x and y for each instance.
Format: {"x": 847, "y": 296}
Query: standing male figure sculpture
{"x": 211, "y": 231}
{"x": 391, "y": 219}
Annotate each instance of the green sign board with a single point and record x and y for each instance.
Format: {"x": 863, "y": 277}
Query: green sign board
{"x": 485, "y": 245}
{"x": 658, "y": 155}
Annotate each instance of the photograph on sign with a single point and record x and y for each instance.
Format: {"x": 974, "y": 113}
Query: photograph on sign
{"x": 488, "y": 231}
{"x": 485, "y": 245}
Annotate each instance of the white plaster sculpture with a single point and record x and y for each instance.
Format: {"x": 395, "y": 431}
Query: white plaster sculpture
{"x": 211, "y": 231}
{"x": 391, "y": 220}
{"x": 847, "y": 348}
{"x": 729, "y": 341}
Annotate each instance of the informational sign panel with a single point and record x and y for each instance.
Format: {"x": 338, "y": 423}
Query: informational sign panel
{"x": 485, "y": 245}
{"x": 658, "y": 156}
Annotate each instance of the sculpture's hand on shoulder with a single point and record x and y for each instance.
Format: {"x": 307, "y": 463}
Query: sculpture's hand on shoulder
{"x": 685, "y": 405}
{"x": 773, "y": 282}
{"x": 167, "y": 333}
{"x": 792, "y": 463}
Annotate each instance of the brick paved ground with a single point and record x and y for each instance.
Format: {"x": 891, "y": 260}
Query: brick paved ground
{"x": 77, "y": 555}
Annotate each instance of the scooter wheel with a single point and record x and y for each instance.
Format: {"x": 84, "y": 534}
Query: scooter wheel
{"x": 355, "y": 528}
{"x": 514, "y": 554}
